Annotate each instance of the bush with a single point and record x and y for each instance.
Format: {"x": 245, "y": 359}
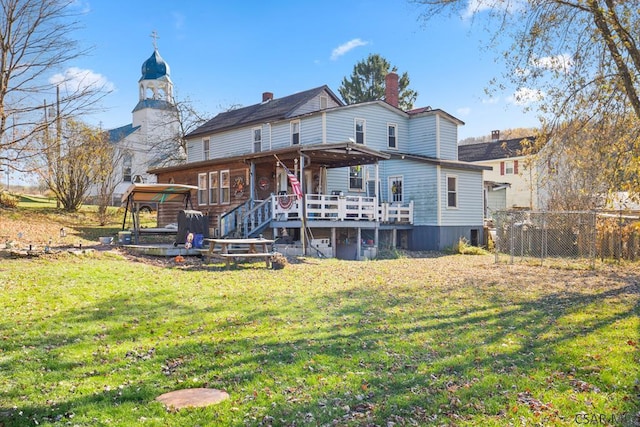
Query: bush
{"x": 7, "y": 200}
{"x": 464, "y": 248}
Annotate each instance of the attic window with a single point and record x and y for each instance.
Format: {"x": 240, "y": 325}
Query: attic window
{"x": 324, "y": 102}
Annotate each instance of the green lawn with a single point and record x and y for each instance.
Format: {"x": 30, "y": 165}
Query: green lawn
{"x": 450, "y": 340}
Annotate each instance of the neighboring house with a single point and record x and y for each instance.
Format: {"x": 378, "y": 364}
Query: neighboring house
{"x": 512, "y": 182}
{"x": 372, "y": 175}
{"x": 141, "y": 145}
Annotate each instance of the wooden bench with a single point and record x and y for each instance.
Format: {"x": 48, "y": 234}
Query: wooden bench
{"x": 227, "y": 257}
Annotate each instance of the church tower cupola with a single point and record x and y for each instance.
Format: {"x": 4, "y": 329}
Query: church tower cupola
{"x": 155, "y": 85}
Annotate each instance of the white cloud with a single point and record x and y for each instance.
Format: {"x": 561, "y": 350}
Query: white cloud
{"x": 524, "y": 96}
{"x": 75, "y": 80}
{"x": 490, "y": 101}
{"x": 346, "y": 47}
{"x": 178, "y": 20}
{"x": 561, "y": 62}
{"x": 464, "y": 111}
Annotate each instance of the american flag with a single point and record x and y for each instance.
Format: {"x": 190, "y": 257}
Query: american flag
{"x": 295, "y": 184}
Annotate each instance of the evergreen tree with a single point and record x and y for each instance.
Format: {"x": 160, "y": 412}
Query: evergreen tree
{"x": 367, "y": 83}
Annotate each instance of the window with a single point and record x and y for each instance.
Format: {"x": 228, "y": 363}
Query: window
{"x": 257, "y": 140}
{"x": 214, "y": 188}
{"x": 395, "y": 186}
{"x": 392, "y": 132}
{"x": 295, "y": 132}
{"x": 205, "y": 149}
{"x": 355, "y": 178}
{"x": 202, "y": 188}
{"x": 509, "y": 167}
{"x": 452, "y": 192}
{"x": 225, "y": 187}
{"x": 127, "y": 162}
{"x": 324, "y": 102}
{"x": 360, "y": 128}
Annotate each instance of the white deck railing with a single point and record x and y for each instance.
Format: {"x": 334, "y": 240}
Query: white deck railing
{"x": 339, "y": 208}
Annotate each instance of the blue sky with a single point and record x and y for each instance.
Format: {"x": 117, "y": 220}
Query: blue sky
{"x": 227, "y": 52}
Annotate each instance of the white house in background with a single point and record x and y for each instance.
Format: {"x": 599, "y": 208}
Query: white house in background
{"x": 513, "y": 182}
{"x": 154, "y": 123}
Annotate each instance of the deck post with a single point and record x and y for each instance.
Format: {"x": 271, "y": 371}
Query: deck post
{"x": 359, "y": 245}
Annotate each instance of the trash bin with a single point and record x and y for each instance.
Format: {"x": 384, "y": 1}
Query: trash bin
{"x": 190, "y": 221}
{"x": 124, "y": 237}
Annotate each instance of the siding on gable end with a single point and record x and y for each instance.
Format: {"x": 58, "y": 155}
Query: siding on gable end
{"x": 470, "y": 198}
{"x": 314, "y": 105}
{"x": 422, "y": 136}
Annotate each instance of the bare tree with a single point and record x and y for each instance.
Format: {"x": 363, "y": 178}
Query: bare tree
{"x": 36, "y": 43}
{"x": 579, "y": 60}
{"x": 73, "y": 162}
{"x": 170, "y": 148}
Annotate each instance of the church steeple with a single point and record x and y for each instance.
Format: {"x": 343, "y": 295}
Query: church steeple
{"x": 155, "y": 83}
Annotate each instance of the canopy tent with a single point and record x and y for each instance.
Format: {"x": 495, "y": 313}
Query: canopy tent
{"x": 154, "y": 193}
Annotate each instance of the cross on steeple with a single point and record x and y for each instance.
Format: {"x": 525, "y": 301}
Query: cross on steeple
{"x": 154, "y": 35}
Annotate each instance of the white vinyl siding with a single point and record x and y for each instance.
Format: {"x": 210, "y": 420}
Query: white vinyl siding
{"x": 470, "y": 198}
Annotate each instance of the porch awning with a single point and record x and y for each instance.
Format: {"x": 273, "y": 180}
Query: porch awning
{"x": 158, "y": 193}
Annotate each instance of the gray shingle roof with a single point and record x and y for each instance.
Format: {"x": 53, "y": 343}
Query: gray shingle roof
{"x": 492, "y": 150}
{"x": 275, "y": 109}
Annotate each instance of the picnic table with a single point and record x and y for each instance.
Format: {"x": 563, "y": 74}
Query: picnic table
{"x": 234, "y": 249}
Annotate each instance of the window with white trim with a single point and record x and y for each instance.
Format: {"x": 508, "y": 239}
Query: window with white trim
{"x": 214, "y": 188}
{"x": 257, "y": 140}
{"x": 360, "y": 125}
{"x": 395, "y": 188}
{"x": 205, "y": 148}
{"x": 324, "y": 102}
{"x": 356, "y": 181}
{"x": 202, "y": 188}
{"x": 392, "y": 135}
{"x": 452, "y": 191}
{"x": 295, "y": 132}
{"x": 225, "y": 187}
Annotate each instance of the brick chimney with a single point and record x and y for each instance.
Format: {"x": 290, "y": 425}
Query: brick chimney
{"x": 495, "y": 135}
{"x": 267, "y": 96}
{"x": 391, "y": 89}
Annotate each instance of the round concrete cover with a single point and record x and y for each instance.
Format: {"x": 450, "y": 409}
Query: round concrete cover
{"x": 192, "y": 397}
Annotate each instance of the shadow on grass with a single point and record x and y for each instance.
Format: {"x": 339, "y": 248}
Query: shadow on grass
{"x": 455, "y": 354}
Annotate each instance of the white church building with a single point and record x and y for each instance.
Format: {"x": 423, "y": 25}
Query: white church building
{"x": 149, "y": 140}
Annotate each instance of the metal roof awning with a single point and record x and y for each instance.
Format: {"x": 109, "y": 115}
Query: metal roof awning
{"x": 158, "y": 193}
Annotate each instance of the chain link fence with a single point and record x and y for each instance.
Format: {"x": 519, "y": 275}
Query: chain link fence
{"x": 584, "y": 236}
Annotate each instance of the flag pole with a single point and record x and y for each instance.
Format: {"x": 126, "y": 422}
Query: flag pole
{"x": 297, "y": 189}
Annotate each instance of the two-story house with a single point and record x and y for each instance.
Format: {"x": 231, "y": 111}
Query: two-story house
{"x": 372, "y": 175}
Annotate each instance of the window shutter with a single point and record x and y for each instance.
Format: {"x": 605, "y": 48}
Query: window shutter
{"x": 501, "y": 168}
{"x": 515, "y": 167}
